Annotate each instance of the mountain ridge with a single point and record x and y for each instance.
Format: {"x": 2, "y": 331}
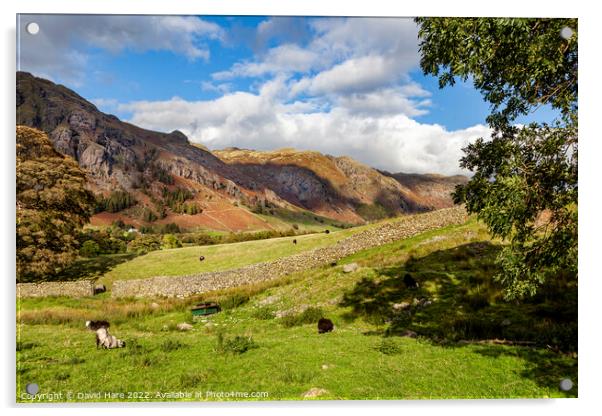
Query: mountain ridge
{"x": 227, "y": 187}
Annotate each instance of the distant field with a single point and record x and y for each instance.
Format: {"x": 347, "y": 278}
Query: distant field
{"x": 181, "y": 261}
{"x": 364, "y": 358}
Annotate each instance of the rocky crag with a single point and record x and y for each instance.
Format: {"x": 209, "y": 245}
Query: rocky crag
{"x": 229, "y": 185}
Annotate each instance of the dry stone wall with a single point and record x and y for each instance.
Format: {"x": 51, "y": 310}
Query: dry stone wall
{"x": 182, "y": 286}
{"x": 75, "y": 289}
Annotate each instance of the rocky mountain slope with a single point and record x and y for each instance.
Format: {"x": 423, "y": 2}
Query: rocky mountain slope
{"x": 167, "y": 179}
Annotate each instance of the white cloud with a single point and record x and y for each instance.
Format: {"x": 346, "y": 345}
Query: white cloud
{"x": 353, "y": 75}
{"x": 350, "y": 62}
{"x": 352, "y": 37}
{"x": 281, "y": 59}
{"x": 59, "y": 48}
{"x": 382, "y": 139}
{"x": 388, "y": 101}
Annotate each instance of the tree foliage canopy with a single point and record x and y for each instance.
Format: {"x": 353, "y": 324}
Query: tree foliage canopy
{"x": 52, "y": 205}
{"x": 525, "y": 177}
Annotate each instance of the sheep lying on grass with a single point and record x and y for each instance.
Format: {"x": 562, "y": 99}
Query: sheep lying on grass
{"x": 103, "y": 338}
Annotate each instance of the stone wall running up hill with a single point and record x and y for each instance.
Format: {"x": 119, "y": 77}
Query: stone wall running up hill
{"x": 182, "y": 286}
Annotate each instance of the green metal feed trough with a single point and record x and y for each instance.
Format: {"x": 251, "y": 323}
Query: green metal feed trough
{"x": 206, "y": 308}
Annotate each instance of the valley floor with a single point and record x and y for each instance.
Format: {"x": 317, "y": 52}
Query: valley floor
{"x": 265, "y": 339}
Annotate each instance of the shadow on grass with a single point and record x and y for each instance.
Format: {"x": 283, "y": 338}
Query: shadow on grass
{"x": 544, "y": 367}
{"x": 93, "y": 268}
{"x": 458, "y": 300}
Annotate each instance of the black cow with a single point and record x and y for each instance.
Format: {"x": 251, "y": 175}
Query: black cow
{"x": 295, "y": 241}
{"x": 201, "y": 258}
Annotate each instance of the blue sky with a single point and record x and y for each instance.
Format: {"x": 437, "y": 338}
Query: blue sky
{"x": 342, "y": 86}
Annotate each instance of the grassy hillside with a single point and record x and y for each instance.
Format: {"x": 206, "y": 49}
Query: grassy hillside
{"x": 265, "y": 339}
{"x": 182, "y": 261}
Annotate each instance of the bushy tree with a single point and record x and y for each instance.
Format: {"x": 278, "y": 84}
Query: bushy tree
{"x": 52, "y": 206}
{"x": 90, "y": 248}
{"x": 144, "y": 244}
{"x": 171, "y": 241}
{"x": 525, "y": 177}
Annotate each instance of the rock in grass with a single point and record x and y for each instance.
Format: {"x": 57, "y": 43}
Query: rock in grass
{"x": 402, "y": 306}
{"x": 184, "y": 326}
{"x": 351, "y": 267}
{"x": 314, "y": 392}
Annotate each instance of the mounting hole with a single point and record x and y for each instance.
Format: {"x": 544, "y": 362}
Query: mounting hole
{"x": 566, "y": 384}
{"x": 32, "y": 28}
{"x": 32, "y": 388}
{"x": 566, "y": 33}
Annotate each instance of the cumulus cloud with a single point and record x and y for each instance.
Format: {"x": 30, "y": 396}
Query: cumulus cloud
{"x": 384, "y": 139}
{"x": 352, "y": 63}
{"x": 354, "y": 75}
{"x": 388, "y": 101}
{"x": 58, "y": 51}
{"x": 352, "y": 37}
{"x": 278, "y": 60}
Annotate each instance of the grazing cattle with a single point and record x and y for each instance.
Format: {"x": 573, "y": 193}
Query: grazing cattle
{"x": 201, "y": 258}
{"x": 99, "y": 289}
{"x": 409, "y": 281}
{"x": 103, "y": 338}
{"x": 327, "y": 231}
{"x": 325, "y": 325}
{"x": 295, "y": 241}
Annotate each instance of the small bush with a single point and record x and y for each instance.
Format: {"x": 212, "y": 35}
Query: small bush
{"x": 90, "y": 248}
{"x": 171, "y": 241}
{"x": 237, "y": 345}
{"x": 388, "y": 346}
{"x": 308, "y": 316}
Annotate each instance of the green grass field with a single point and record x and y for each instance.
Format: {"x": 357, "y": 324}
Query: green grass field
{"x": 364, "y": 358}
{"x": 182, "y": 261}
